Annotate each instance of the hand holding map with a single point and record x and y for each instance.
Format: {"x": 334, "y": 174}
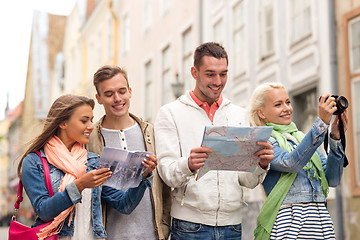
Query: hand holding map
{"x": 127, "y": 169}
{"x": 233, "y": 147}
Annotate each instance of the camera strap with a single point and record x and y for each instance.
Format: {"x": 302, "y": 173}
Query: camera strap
{"x": 342, "y": 140}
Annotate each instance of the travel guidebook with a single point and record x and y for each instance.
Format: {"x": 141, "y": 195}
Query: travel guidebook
{"x": 233, "y": 147}
{"x": 127, "y": 170}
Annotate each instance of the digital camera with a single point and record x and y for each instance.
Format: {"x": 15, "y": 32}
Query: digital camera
{"x": 341, "y": 104}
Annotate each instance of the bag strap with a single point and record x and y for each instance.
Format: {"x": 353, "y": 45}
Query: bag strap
{"x": 46, "y": 174}
{"x": 47, "y": 183}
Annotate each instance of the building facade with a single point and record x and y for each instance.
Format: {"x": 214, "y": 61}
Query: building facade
{"x": 311, "y": 46}
{"x": 267, "y": 40}
{"x": 348, "y": 79}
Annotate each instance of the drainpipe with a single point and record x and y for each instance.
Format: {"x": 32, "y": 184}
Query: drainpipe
{"x": 334, "y": 82}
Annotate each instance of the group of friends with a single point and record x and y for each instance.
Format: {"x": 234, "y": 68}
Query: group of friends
{"x": 169, "y": 202}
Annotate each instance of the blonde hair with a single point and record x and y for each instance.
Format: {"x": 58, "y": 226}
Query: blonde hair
{"x": 257, "y": 101}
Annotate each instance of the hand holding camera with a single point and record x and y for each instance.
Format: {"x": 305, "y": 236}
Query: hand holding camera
{"x": 334, "y": 105}
{"x": 335, "y": 126}
{"x": 331, "y": 105}
{"x": 326, "y": 108}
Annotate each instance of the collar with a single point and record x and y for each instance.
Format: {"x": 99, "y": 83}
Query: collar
{"x": 201, "y": 104}
{"x": 210, "y": 110}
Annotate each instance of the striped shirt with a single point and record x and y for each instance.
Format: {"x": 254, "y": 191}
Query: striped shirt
{"x": 303, "y": 221}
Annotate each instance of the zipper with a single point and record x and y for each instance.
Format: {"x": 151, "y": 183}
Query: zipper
{"x": 183, "y": 197}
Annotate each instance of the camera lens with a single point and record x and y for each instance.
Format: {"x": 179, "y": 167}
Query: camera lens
{"x": 342, "y": 103}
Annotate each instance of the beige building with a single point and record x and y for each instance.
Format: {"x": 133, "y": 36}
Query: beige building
{"x": 14, "y": 150}
{"x": 157, "y": 40}
{"x": 43, "y": 81}
{"x": 43, "y": 85}
{"x": 152, "y": 40}
{"x": 267, "y": 40}
{"x": 4, "y": 166}
{"x": 348, "y": 57}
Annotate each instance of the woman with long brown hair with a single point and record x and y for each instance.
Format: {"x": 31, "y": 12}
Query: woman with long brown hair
{"x": 75, "y": 208}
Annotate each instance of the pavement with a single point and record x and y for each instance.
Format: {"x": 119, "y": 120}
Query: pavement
{"x": 4, "y": 231}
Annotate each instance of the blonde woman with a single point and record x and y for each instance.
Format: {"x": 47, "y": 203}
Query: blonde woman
{"x": 75, "y": 208}
{"x": 297, "y": 183}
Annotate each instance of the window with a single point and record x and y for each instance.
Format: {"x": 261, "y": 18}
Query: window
{"x": 356, "y": 109}
{"x": 165, "y": 76}
{"x": 239, "y": 39}
{"x": 110, "y": 38}
{"x": 354, "y": 45}
{"x": 164, "y": 6}
{"x": 126, "y": 34}
{"x": 59, "y": 70}
{"x": 148, "y": 92}
{"x": 187, "y": 59}
{"x": 214, "y": 2}
{"x": 99, "y": 49}
{"x": 75, "y": 81}
{"x": 266, "y": 28}
{"x": 351, "y": 80}
{"x": 300, "y": 19}
{"x": 74, "y": 67}
{"x": 147, "y": 14}
{"x": 219, "y": 32}
{"x": 90, "y": 58}
{"x": 305, "y": 109}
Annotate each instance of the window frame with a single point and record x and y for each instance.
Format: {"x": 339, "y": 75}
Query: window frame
{"x": 264, "y": 30}
{"x": 240, "y": 53}
{"x": 349, "y": 79}
{"x": 148, "y": 86}
{"x": 301, "y": 16}
{"x": 219, "y": 31}
{"x": 187, "y": 53}
{"x": 126, "y": 33}
{"x": 110, "y": 37}
{"x": 166, "y": 73}
{"x": 351, "y": 54}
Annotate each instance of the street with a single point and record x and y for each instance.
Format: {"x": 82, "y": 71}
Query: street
{"x": 4, "y": 233}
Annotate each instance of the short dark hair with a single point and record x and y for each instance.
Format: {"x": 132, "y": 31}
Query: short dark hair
{"x": 211, "y": 49}
{"x": 106, "y": 72}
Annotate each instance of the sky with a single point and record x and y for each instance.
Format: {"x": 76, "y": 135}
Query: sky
{"x": 15, "y": 27}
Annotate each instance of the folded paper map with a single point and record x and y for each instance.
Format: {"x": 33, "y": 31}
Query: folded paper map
{"x": 126, "y": 167}
{"x": 233, "y": 147}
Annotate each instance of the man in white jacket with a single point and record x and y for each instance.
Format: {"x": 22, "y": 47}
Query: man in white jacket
{"x": 210, "y": 207}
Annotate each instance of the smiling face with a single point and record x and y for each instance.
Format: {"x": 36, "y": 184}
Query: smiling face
{"x": 210, "y": 78}
{"x": 277, "y": 108}
{"x": 115, "y": 95}
{"x": 78, "y": 127}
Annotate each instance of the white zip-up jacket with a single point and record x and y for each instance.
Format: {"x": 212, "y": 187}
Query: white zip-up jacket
{"x": 216, "y": 198}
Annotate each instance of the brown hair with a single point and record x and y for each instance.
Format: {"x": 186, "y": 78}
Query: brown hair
{"x": 60, "y": 111}
{"x": 210, "y": 49}
{"x": 106, "y": 72}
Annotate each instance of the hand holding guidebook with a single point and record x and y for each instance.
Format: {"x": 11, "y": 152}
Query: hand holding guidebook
{"x": 126, "y": 167}
{"x": 233, "y": 147}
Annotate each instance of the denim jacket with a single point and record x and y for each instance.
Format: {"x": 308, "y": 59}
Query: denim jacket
{"x": 306, "y": 188}
{"x": 48, "y": 208}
